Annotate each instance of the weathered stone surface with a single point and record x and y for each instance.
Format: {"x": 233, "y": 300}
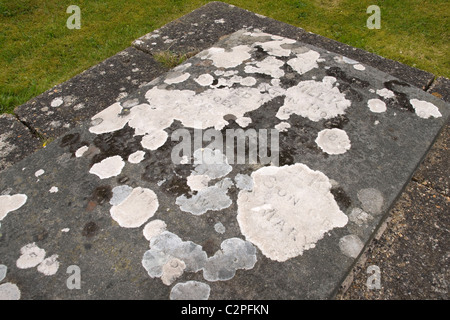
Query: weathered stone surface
{"x": 16, "y": 141}
{"x": 201, "y": 28}
{"x": 259, "y": 80}
{"x": 63, "y": 107}
{"x": 411, "y": 253}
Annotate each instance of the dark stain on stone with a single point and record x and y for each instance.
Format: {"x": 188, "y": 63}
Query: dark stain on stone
{"x": 401, "y": 100}
{"x": 90, "y": 229}
{"x": 341, "y": 197}
{"x": 177, "y": 186}
{"x": 286, "y": 158}
{"x": 121, "y": 142}
{"x": 342, "y": 77}
{"x": 102, "y": 194}
{"x": 87, "y": 246}
{"x": 69, "y": 139}
{"x": 337, "y": 122}
{"x": 40, "y": 235}
{"x": 210, "y": 247}
{"x": 260, "y": 53}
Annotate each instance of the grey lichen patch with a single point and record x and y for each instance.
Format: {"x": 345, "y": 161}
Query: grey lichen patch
{"x": 154, "y": 228}
{"x": 191, "y": 290}
{"x": 359, "y": 217}
{"x": 120, "y": 193}
{"x": 211, "y": 163}
{"x": 351, "y": 245}
{"x": 234, "y": 254}
{"x": 5, "y": 147}
{"x": 371, "y": 200}
{"x": 167, "y": 246}
{"x": 244, "y": 181}
{"x": 213, "y": 198}
{"x": 3, "y": 270}
{"x": 289, "y": 209}
{"x": 222, "y": 58}
{"x": 219, "y": 228}
{"x": 9, "y": 291}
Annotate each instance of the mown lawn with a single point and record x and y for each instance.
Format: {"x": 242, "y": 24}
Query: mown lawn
{"x": 38, "y": 51}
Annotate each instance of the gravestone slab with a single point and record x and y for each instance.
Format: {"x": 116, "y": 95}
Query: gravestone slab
{"x": 132, "y": 200}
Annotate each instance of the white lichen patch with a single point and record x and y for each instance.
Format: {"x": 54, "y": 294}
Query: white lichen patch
{"x": 204, "y": 80}
{"x": 376, "y": 105}
{"x": 31, "y": 256}
{"x": 109, "y": 120}
{"x": 177, "y": 78}
{"x": 154, "y": 139}
{"x": 49, "y": 266}
{"x": 154, "y": 228}
{"x": 136, "y": 157}
{"x": 213, "y": 198}
{"x": 234, "y": 254}
{"x": 81, "y": 151}
{"x": 9, "y": 291}
{"x": 385, "y": 93}
{"x": 109, "y": 167}
{"x": 304, "y": 62}
{"x": 136, "y": 209}
{"x": 289, "y": 209}
{"x": 333, "y": 141}
{"x": 351, "y": 245}
{"x": 56, "y": 102}
{"x": 275, "y": 47}
{"x": 172, "y": 270}
{"x": 314, "y": 100}
{"x": 191, "y": 290}
{"x": 425, "y": 109}
{"x": 243, "y": 122}
{"x": 10, "y": 203}
{"x": 359, "y": 67}
{"x": 270, "y": 66}
{"x": 39, "y": 173}
{"x": 283, "y": 126}
{"x": 53, "y": 190}
{"x": 232, "y": 58}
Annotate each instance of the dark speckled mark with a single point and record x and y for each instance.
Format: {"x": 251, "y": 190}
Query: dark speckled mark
{"x": 177, "y": 186}
{"x": 90, "y": 229}
{"x": 337, "y": 122}
{"x": 401, "y": 100}
{"x": 102, "y": 194}
{"x": 260, "y": 53}
{"x": 40, "y": 235}
{"x": 342, "y": 77}
{"x": 69, "y": 139}
{"x": 341, "y": 197}
{"x": 121, "y": 142}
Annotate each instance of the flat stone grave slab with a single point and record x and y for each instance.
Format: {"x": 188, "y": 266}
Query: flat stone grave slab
{"x": 258, "y": 169}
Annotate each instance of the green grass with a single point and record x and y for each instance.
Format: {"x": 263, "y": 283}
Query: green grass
{"x": 37, "y": 51}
